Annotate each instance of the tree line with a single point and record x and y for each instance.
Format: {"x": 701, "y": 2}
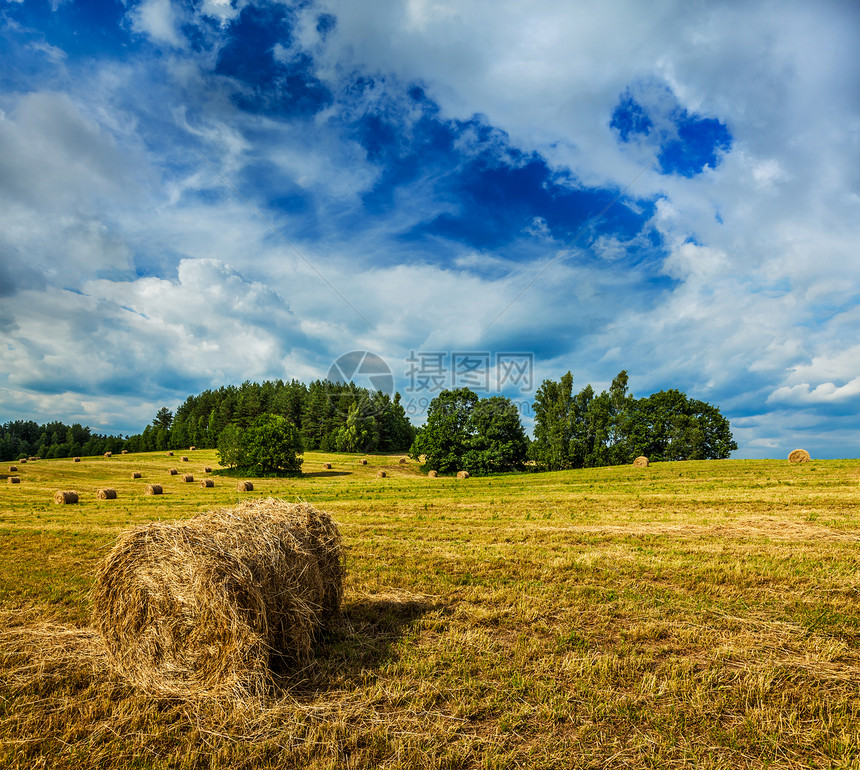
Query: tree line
{"x": 462, "y": 431}
{"x": 571, "y": 430}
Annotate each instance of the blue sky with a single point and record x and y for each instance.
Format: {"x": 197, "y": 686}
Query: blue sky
{"x": 200, "y": 193}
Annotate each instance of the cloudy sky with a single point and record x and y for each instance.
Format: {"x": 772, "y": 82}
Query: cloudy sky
{"x": 194, "y": 194}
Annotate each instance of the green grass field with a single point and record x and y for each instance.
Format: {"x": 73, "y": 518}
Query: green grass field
{"x": 694, "y": 614}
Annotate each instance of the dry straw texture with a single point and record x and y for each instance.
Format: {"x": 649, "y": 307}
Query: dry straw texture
{"x": 381, "y": 474}
{"x": 13, "y": 468}
{"x": 154, "y": 489}
{"x": 640, "y": 462}
{"x": 799, "y": 456}
{"x": 207, "y": 483}
{"x": 462, "y": 474}
{"x": 13, "y": 479}
{"x": 135, "y": 475}
{"x": 65, "y": 497}
{"x": 106, "y": 494}
{"x": 207, "y": 605}
{"x": 245, "y": 486}
{"x": 403, "y": 461}
{"x": 188, "y": 477}
{"x": 432, "y": 475}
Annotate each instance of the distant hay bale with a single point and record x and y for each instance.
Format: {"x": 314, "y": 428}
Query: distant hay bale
{"x": 108, "y": 454}
{"x": 462, "y": 474}
{"x": 183, "y": 459}
{"x": 207, "y": 483}
{"x": 13, "y": 468}
{"x": 22, "y": 460}
{"x": 106, "y": 494}
{"x": 33, "y": 459}
{"x": 362, "y": 462}
{"x": 13, "y": 479}
{"x": 188, "y": 477}
{"x": 798, "y": 456}
{"x": 125, "y": 451}
{"x": 432, "y": 475}
{"x": 207, "y": 469}
{"x": 172, "y": 471}
{"x": 192, "y": 448}
{"x": 381, "y": 474}
{"x": 77, "y": 459}
{"x": 206, "y": 606}
{"x": 403, "y": 461}
{"x": 327, "y": 466}
{"x": 154, "y": 489}
{"x": 65, "y": 497}
{"x": 170, "y": 454}
{"x": 135, "y": 475}
{"x": 640, "y": 462}
{"x": 245, "y": 486}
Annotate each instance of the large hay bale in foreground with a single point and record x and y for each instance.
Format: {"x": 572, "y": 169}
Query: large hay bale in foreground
{"x": 154, "y": 489}
{"x": 65, "y": 497}
{"x": 106, "y": 494}
{"x": 799, "y": 456}
{"x": 206, "y": 606}
{"x": 245, "y": 486}
{"x": 640, "y": 462}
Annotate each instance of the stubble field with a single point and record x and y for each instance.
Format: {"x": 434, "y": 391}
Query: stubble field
{"x": 694, "y": 614}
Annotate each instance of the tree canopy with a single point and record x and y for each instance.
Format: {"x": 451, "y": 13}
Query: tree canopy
{"x": 465, "y": 432}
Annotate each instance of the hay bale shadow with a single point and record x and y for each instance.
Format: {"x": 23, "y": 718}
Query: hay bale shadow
{"x": 362, "y": 637}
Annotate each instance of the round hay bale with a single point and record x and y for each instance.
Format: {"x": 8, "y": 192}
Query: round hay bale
{"x": 77, "y": 459}
{"x": 13, "y": 468}
{"x": 106, "y": 494}
{"x": 640, "y": 462}
{"x": 245, "y": 486}
{"x": 206, "y": 606}
{"x": 108, "y": 454}
{"x": 462, "y": 474}
{"x": 183, "y": 459}
{"x": 135, "y": 475}
{"x": 327, "y": 466}
{"x": 362, "y": 462}
{"x": 170, "y": 454}
{"x": 13, "y": 479}
{"x": 432, "y": 474}
{"x": 154, "y": 489}
{"x": 22, "y": 460}
{"x": 125, "y": 451}
{"x": 172, "y": 472}
{"x": 381, "y": 474}
{"x": 798, "y": 456}
{"x": 65, "y": 497}
{"x": 207, "y": 483}
{"x": 207, "y": 469}
{"x": 403, "y": 461}
{"x": 33, "y": 459}
{"x": 188, "y": 477}
{"x": 192, "y": 448}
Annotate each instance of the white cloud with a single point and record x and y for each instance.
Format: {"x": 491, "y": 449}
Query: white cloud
{"x": 157, "y": 20}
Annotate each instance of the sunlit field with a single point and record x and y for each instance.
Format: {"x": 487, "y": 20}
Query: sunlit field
{"x": 692, "y": 614}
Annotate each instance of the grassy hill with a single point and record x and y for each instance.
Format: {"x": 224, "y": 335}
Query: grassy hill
{"x": 700, "y": 614}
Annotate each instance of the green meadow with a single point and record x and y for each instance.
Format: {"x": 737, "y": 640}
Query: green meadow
{"x": 690, "y": 614}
